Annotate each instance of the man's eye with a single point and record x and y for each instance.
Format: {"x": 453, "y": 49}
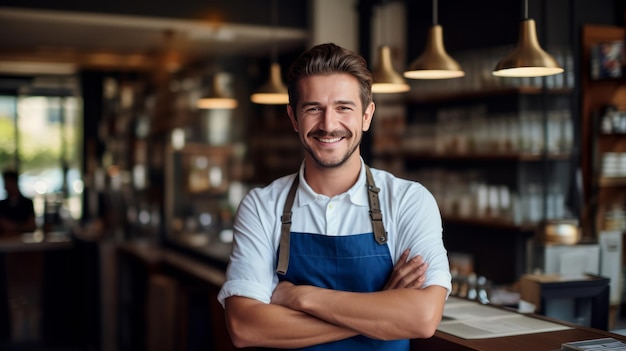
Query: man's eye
{"x": 313, "y": 109}
{"x": 344, "y": 108}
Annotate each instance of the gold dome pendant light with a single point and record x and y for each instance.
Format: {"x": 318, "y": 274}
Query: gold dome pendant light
{"x": 217, "y": 99}
{"x": 274, "y": 91}
{"x": 386, "y": 79}
{"x": 528, "y": 59}
{"x": 434, "y": 62}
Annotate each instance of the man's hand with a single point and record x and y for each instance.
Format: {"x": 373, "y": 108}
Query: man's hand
{"x": 281, "y": 294}
{"x": 407, "y": 273}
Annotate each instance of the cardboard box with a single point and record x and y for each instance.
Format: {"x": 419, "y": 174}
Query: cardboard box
{"x": 555, "y": 295}
{"x": 530, "y": 287}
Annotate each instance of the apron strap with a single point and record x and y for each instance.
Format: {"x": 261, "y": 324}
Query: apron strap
{"x": 285, "y": 228}
{"x": 380, "y": 235}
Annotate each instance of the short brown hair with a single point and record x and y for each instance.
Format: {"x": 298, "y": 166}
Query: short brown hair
{"x": 325, "y": 59}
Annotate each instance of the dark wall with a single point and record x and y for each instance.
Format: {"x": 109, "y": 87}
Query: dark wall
{"x": 489, "y": 23}
{"x": 466, "y": 24}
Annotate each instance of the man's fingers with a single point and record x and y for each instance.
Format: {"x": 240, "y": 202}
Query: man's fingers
{"x": 403, "y": 258}
{"x": 407, "y": 273}
{"x": 414, "y": 278}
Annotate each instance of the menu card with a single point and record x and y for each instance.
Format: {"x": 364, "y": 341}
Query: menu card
{"x": 472, "y": 320}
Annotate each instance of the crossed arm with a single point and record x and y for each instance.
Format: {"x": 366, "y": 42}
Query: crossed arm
{"x": 300, "y": 316}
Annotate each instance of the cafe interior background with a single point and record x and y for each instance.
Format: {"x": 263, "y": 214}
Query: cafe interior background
{"x": 105, "y": 110}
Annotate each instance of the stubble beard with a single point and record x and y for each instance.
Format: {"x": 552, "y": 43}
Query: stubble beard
{"x": 331, "y": 163}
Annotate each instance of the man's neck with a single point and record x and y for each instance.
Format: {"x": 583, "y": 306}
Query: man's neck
{"x": 332, "y": 181}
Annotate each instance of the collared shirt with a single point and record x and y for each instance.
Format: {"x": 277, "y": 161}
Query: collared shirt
{"x": 410, "y": 215}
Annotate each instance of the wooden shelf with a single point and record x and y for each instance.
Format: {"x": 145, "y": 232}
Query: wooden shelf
{"x": 494, "y": 223}
{"x": 612, "y": 135}
{"x": 600, "y": 193}
{"x": 486, "y": 93}
{"x": 609, "y": 182}
{"x": 432, "y": 156}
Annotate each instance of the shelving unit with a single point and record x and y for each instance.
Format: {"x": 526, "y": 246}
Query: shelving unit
{"x": 502, "y": 131}
{"x": 602, "y": 191}
{"x": 120, "y": 179}
{"x": 474, "y": 151}
{"x": 274, "y": 147}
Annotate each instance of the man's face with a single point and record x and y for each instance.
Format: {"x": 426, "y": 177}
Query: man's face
{"x": 329, "y": 118}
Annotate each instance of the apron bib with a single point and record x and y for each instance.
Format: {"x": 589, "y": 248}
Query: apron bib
{"x": 357, "y": 263}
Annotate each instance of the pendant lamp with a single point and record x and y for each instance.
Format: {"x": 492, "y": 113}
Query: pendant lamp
{"x": 528, "y": 59}
{"x": 273, "y": 92}
{"x": 434, "y": 62}
{"x": 386, "y": 79}
{"x": 217, "y": 99}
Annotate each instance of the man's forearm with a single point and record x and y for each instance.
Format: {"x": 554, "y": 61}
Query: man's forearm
{"x": 387, "y": 315}
{"x": 252, "y": 323}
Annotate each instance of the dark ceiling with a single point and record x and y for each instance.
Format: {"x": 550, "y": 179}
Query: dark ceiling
{"x": 135, "y": 33}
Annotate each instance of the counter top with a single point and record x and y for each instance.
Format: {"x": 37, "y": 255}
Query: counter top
{"x": 214, "y": 249}
{"x": 154, "y": 254}
{"x": 35, "y": 241}
{"x": 547, "y": 334}
{"x": 547, "y": 341}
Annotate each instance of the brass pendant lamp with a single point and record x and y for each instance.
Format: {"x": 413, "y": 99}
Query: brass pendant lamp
{"x": 217, "y": 99}
{"x": 528, "y": 59}
{"x": 434, "y": 62}
{"x": 386, "y": 79}
{"x": 274, "y": 91}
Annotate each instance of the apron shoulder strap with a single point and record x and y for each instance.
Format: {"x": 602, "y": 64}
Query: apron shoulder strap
{"x": 380, "y": 235}
{"x": 283, "y": 252}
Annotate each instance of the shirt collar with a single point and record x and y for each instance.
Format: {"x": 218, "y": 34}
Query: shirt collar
{"x": 357, "y": 193}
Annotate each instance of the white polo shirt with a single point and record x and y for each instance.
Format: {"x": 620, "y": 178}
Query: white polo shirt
{"x": 410, "y": 215}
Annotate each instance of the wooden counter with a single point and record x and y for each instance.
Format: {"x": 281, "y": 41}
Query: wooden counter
{"x": 36, "y": 241}
{"x": 46, "y": 274}
{"x": 161, "y": 259}
{"x": 548, "y": 341}
{"x": 154, "y": 255}
{"x": 469, "y": 325}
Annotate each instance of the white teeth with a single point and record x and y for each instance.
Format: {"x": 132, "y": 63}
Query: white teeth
{"x": 332, "y": 140}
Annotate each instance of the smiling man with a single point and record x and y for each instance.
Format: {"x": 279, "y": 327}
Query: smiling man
{"x": 337, "y": 256}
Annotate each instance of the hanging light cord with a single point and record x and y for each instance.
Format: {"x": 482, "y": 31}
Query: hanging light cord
{"x": 435, "y": 14}
{"x": 383, "y": 28}
{"x": 274, "y": 20}
{"x": 525, "y": 9}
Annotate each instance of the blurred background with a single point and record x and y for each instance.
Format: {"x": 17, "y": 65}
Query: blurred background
{"x": 106, "y": 113}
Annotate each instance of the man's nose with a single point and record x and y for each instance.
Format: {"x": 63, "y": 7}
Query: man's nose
{"x": 329, "y": 120}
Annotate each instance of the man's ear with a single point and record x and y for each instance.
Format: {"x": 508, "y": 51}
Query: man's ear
{"x": 368, "y": 115}
{"x": 292, "y": 117}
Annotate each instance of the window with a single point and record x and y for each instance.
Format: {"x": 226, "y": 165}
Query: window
{"x": 41, "y": 137}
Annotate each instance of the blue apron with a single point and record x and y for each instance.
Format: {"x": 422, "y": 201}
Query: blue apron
{"x": 357, "y": 263}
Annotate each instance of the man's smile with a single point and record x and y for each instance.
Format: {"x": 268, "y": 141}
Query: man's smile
{"x": 328, "y": 140}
